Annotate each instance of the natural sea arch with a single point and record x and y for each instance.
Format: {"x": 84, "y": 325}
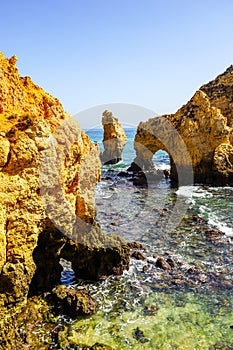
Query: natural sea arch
{"x": 161, "y": 160}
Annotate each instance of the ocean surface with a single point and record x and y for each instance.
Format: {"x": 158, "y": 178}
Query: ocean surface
{"x": 188, "y": 306}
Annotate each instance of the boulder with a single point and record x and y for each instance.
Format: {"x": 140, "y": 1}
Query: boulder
{"x": 73, "y": 303}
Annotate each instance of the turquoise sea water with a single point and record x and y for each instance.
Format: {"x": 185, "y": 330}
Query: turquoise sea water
{"x": 187, "y": 307}
{"x": 96, "y": 135}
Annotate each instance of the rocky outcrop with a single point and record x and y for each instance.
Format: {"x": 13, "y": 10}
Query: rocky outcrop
{"x": 48, "y": 172}
{"x": 198, "y": 137}
{"x": 73, "y": 303}
{"x": 114, "y": 139}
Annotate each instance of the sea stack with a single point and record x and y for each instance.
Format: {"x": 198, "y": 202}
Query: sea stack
{"x": 198, "y": 137}
{"x": 48, "y": 172}
{"x": 114, "y": 139}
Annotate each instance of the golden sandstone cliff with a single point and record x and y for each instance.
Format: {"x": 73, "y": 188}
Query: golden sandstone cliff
{"x": 114, "y": 139}
{"x": 198, "y": 137}
{"x": 48, "y": 172}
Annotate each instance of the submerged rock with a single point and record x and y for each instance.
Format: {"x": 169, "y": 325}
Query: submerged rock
{"x": 48, "y": 172}
{"x": 198, "y": 137}
{"x": 98, "y": 346}
{"x": 72, "y": 302}
{"x": 163, "y": 263}
{"x": 216, "y": 236}
{"x": 114, "y": 139}
{"x": 139, "y": 336}
{"x": 138, "y": 255}
{"x": 35, "y": 315}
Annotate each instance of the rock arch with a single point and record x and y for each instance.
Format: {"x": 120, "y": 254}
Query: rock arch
{"x": 159, "y": 134}
{"x": 198, "y": 137}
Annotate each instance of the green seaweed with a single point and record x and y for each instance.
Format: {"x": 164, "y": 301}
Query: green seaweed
{"x": 192, "y": 324}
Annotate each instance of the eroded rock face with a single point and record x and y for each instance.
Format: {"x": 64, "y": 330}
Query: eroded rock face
{"x": 114, "y": 139}
{"x": 48, "y": 171}
{"x": 198, "y": 137}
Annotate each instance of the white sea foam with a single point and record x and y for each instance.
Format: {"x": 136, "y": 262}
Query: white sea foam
{"x": 162, "y": 166}
{"x": 213, "y": 221}
{"x": 192, "y": 192}
{"x": 185, "y": 191}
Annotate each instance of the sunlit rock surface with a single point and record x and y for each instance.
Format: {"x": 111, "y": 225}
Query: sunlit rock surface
{"x": 48, "y": 172}
{"x": 114, "y": 139}
{"x": 198, "y": 137}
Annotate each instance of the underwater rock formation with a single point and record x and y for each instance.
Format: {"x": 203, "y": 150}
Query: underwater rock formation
{"x": 114, "y": 139}
{"x": 198, "y": 137}
{"x": 48, "y": 172}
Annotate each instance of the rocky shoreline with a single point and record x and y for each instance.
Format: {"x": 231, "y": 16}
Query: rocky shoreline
{"x": 169, "y": 274}
{"x": 48, "y": 172}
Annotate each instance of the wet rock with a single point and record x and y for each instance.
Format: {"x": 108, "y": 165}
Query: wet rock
{"x": 111, "y": 257}
{"x": 140, "y": 180}
{"x": 155, "y": 256}
{"x": 115, "y": 223}
{"x": 216, "y": 236}
{"x": 171, "y": 262}
{"x": 226, "y": 284}
{"x": 163, "y": 264}
{"x": 63, "y": 341}
{"x": 151, "y": 310}
{"x": 96, "y": 346}
{"x": 139, "y": 336}
{"x": 221, "y": 346}
{"x": 135, "y": 245}
{"x": 194, "y": 270}
{"x": 214, "y": 232}
{"x": 144, "y": 178}
{"x": 177, "y": 281}
{"x": 99, "y": 256}
{"x": 201, "y": 277}
{"x": 106, "y": 178}
{"x": 138, "y": 255}
{"x": 124, "y": 174}
{"x": 73, "y": 303}
{"x": 167, "y": 173}
{"x": 161, "y": 212}
{"x": 60, "y": 337}
{"x": 197, "y": 219}
{"x": 35, "y": 315}
{"x": 99, "y": 346}
{"x": 145, "y": 268}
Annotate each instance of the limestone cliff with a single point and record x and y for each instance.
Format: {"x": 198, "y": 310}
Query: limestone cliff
{"x": 198, "y": 137}
{"x": 114, "y": 139}
{"x": 48, "y": 171}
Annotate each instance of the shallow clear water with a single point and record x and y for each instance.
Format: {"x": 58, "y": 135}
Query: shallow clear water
{"x": 188, "y": 307}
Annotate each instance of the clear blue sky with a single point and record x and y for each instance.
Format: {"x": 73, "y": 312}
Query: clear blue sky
{"x": 89, "y": 52}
